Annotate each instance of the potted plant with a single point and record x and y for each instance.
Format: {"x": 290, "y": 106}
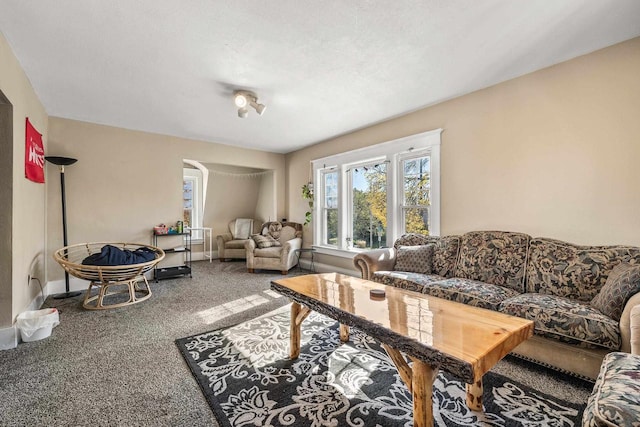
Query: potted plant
{"x": 307, "y": 193}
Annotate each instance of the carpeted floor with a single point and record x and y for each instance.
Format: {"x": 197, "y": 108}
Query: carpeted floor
{"x": 121, "y": 367}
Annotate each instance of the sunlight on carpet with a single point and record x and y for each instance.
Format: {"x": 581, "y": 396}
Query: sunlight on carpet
{"x": 214, "y": 314}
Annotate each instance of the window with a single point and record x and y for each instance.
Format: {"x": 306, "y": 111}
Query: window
{"x": 367, "y": 198}
{"x": 330, "y": 208}
{"x": 192, "y": 200}
{"x": 368, "y": 202}
{"x": 415, "y": 194}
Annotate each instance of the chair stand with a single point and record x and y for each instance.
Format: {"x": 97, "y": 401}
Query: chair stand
{"x": 132, "y": 286}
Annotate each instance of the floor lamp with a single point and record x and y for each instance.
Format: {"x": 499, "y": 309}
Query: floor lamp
{"x": 62, "y": 162}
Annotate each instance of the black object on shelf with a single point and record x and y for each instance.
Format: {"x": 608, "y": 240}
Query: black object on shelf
{"x": 162, "y": 272}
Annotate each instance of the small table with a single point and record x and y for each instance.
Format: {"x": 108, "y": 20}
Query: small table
{"x": 435, "y": 333}
{"x": 206, "y": 231}
{"x": 301, "y": 251}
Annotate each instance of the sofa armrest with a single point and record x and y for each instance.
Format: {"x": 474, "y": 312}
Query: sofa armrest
{"x": 288, "y": 253}
{"x": 249, "y": 247}
{"x": 221, "y": 239}
{"x": 376, "y": 260}
{"x": 635, "y": 329}
{"x": 630, "y": 325}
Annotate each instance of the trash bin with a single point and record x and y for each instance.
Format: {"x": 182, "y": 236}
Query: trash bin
{"x": 36, "y": 325}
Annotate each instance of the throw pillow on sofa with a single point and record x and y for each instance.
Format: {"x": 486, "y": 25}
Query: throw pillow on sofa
{"x": 622, "y": 283}
{"x": 265, "y": 241}
{"x": 274, "y": 230}
{"x": 414, "y": 259}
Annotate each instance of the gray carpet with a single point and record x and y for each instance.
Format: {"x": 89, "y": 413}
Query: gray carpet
{"x": 121, "y": 367}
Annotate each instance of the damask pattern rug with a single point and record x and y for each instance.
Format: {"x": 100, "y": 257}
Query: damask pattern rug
{"x": 247, "y": 378}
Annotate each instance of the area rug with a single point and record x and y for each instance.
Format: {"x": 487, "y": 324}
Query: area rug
{"x": 247, "y": 378}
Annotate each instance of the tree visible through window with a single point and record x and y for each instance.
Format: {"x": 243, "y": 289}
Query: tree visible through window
{"x": 369, "y": 206}
{"x": 416, "y": 188}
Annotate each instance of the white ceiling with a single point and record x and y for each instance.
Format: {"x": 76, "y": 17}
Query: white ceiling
{"x": 323, "y": 68}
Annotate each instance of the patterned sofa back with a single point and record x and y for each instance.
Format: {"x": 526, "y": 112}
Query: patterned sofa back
{"x": 495, "y": 257}
{"x": 523, "y": 263}
{"x": 573, "y": 271}
{"x": 445, "y": 251}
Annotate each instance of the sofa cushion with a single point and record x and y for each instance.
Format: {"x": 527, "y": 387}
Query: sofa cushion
{"x": 565, "y": 320}
{"x": 615, "y": 400}
{"x": 265, "y": 241}
{"x": 623, "y": 283}
{"x": 572, "y": 271}
{"x": 471, "y": 292}
{"x": 416, "y": 259}
{"x": 445, "y": 250}
{"x": 495, "y": 257}
{"x": 405, "y": 280}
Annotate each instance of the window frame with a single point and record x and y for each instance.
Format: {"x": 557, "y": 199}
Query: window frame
{"x": 393, "y": 153}
{"x": 197, "y": 207}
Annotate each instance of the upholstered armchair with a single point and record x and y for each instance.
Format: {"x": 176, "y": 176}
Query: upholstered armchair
{"x": 274, "y": 247}
{"x": 231, "y": 244}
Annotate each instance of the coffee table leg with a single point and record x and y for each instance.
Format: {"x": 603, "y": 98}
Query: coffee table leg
{"x": 344, "y": 333}
{"x": 294, "y": 330}
{"x": 422, "y": 379}
{"x": 474, "y": 395}
{"x": 298, "y": 314}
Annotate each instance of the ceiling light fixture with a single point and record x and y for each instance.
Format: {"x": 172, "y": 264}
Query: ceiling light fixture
{"x": 243, "y": 98}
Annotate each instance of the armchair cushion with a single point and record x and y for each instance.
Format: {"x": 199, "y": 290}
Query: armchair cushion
{"x": 274, "y": 229}
{"x": 274, "y": 252}
{"x": 242, "y": 228}
{"x": 266, "y": 241}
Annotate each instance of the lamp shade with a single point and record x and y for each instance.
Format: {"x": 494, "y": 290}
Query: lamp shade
{"x": 60, "y": 161}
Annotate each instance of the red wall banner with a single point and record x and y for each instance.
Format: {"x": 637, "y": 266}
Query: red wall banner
{"x": 33, "y": 154}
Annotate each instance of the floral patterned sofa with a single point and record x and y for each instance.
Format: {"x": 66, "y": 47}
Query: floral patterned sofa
{"x": 615, "y": 400}
{"x": 558, "y": 285}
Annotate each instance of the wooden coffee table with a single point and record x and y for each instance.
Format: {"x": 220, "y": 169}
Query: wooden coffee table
{"x": 434, "y": 333}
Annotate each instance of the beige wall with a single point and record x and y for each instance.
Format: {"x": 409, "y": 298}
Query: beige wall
{"x": 265, "y": 202}
{"x": 235, "y": 192}
{"x": 28, "y": 229}
{"x": 553, "y": 153}
{"x": 126, "y": 181}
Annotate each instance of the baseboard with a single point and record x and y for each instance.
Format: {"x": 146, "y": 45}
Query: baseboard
{"x": 199, "y": 256}
{"x": 328, "y": 268}
{"x": 58, "y": 286}
{"x": 8, "y": 338}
